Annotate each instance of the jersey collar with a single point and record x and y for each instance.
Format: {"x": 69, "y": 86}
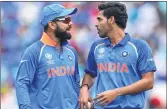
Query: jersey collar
{"x": 48, "y": 41}
{"x": 125, "y": 40}
{"x": 122, "y": 42}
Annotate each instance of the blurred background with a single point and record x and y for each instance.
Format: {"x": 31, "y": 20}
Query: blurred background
{"x": 20, "y": 27}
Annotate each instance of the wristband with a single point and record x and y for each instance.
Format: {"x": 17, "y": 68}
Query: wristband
{"x": 84, "y": 85}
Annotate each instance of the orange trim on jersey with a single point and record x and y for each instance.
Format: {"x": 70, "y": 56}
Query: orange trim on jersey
{"x": 47, "y": 40}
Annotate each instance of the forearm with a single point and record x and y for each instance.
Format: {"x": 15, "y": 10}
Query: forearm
{"x": 139, "y": 86}
{"x": 84, "y": 96}
{"x": 88, "y": 79}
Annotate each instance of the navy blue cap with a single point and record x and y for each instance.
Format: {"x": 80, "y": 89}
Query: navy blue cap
{"x": 50, "y": 12}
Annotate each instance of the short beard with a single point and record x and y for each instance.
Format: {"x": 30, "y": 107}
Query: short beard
{"x": 62, "y": 35}
{"x": 102, "y": 36}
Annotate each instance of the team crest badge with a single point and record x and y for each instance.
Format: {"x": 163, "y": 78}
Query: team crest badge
{"x": 125, "y": 53}
{"x": 69, "y": 57}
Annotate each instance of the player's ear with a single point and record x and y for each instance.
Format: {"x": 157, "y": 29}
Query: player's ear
{"x": 111, "y": 20}
{"x": 52, "y": 25}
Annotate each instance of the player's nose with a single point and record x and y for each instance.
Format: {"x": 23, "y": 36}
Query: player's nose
{"x": 70, "y": 23}
{"x": 96, "y": 26}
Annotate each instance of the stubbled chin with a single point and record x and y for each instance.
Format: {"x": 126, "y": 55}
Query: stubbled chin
{"x": 102, "y": 36}
{"x": 68, "y": 32}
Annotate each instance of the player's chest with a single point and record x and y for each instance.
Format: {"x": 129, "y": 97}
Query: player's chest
{"x": 119, "y": 54}
{"x": 52, "y": 59}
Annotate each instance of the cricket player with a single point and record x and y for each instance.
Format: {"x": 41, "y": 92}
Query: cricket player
{"x": 48, "y": 76}
{"x": 123, "y": 65}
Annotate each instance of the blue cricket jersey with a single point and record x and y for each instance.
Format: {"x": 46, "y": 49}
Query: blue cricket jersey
{"x": 119, "y": 66}
{"x": 47, "y": 79}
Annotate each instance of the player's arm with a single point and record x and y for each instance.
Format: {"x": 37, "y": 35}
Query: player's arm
{"x": 24, "y": 78}
{"x": 146, "y": 83}
{"x": 88, "y": 80}
{"x": 87, "y": 83}
{"x": 146, "y": 67}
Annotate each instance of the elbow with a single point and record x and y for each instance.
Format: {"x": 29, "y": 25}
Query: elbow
{"x": 149, "y": 80}
{"x": 16, "y": 84}
{"x": 150, "y": 84}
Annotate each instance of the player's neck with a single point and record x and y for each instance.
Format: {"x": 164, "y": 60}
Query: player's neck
{"x": 116, "y": 36}
{"x": 57, "y": 40}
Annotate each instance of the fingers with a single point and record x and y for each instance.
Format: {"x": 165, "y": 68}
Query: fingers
{"x": 104, "y": 102}
{"x": 90, "y": 99}
{"x": 84, "y": 98}
{"x": 91, "y": 105}
{"x": 86, "y": 104}
{"x": 101, "y": 100}
{"x": 83, "y": 104}
{"x": 99, "y": 96}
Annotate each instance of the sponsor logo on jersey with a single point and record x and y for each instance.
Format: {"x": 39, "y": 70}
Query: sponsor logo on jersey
{"x": 60, "y": 71}
{"x": 113, "y": 67}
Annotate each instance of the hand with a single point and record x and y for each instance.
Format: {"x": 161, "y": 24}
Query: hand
{"x": 84, "y": 97}
{"x": 106, "y": 97}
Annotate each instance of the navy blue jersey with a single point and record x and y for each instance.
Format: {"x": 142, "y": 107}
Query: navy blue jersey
{"x": 47, "y": 79}
{"x": 119, "y": 66}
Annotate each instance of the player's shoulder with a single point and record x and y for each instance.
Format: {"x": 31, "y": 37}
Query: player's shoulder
{"x": 34, "y": 48}
{"x": 138, "y": 42}
{"x": 71, "y": 48}
{"x": 99, "y": 42}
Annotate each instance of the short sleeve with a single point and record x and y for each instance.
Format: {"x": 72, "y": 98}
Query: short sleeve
{"x": 91, "y": 66}
{"x": 146, "y": 62}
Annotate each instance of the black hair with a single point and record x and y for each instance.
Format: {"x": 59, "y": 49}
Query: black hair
{"x": 116, "y": 9}
{"x": 46, "y": 28}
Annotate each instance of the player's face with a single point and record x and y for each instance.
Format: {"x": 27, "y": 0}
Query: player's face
{"x": 63, "y": 28}
{"x": 102, "y": 25}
